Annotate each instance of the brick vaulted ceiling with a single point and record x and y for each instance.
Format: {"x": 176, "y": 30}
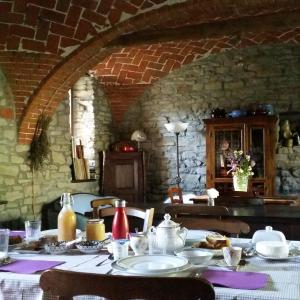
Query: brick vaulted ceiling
{"x": 46, "y": 45}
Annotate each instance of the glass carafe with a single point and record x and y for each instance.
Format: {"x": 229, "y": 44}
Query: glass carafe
{"x": 66, "y": 221}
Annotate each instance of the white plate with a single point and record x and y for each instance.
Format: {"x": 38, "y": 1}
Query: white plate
{"x": 292, "y": 255}
{"x": 55, "y": 232}
{"x": 191, "y": 242}
{"x": 20, "y": 249}
{"x": 151, "y": 264}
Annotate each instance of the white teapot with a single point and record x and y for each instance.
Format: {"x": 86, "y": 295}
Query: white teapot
{"x": 168, "y": 235}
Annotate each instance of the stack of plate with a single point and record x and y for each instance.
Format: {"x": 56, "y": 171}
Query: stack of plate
{"x": 151, "y": 264}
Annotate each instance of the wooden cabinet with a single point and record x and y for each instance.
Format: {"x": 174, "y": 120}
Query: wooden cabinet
{"x": 255, "y": 135}
{"x": 123, "y": 175}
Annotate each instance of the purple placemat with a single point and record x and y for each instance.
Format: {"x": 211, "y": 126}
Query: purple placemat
{"x": 236, "y": 280}
{"x": 20, "y": 233}
{"x": 27, "y": 266}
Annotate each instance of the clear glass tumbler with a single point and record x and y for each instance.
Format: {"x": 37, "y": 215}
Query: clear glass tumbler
{"x": 4, "y": 237}
{"x": 32, "y": 230}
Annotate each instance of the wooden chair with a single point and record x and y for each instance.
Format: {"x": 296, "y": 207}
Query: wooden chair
{"x": 207, "y": 217}
{"x": 97, "y": 203}
{"x": 146, "y": 215}
{"x": 175, "y": 194}
{"x": 115, "y": 287}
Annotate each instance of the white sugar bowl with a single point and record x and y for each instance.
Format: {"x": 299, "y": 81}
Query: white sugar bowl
{"x": 273, "y": 249}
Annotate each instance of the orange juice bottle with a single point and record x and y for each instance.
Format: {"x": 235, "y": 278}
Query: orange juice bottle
{"x": 66, "y": 221}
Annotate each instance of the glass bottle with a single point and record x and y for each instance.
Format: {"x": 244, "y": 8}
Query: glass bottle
{"x": 120, "y": 227}
{"x": 66, "y": 221}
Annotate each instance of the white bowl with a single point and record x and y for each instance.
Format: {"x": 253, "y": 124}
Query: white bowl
{"x": 273, "y": 249}
{"x": 195, "y": 256}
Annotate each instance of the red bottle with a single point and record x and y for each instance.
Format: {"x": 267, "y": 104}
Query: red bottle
{"x": 120, "y": 227}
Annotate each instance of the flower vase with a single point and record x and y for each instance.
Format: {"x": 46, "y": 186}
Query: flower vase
{"x": 240, "y": 183}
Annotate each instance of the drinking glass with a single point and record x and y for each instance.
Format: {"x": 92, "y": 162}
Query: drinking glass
{"x": 32, "y": 230}
{"x": 120, "y": 248}
{"x": 4, "y": 236}
{"x": 232, "y": 255}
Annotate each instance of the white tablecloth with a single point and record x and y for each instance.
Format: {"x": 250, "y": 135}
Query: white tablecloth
{"x": 283, "y": 284}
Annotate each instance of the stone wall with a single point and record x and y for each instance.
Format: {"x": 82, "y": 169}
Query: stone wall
{"x": 16, "y": 185}
{"x": 92, "y": 119}
{"x": 229, "y": 80}
{"x": 288, "y": 170}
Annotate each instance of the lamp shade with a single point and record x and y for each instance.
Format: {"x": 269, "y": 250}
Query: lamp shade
{"x": 139, "y": 136}
{"x": 176, "y": 127}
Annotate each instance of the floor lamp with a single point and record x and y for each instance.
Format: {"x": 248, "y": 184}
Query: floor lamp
{"x": 177, "y": 127}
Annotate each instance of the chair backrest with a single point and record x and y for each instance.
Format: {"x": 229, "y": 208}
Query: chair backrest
{"x": 146, "y": 215}
{"x": 208, "y": 218}
{"x": 97, "y": 203}
{"x": 197, "y": 210}
{"x": 61, "y": 283}
{"x": 175, "y": 194}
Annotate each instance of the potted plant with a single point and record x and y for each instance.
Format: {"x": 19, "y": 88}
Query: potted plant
{"x": 241, "y": 169}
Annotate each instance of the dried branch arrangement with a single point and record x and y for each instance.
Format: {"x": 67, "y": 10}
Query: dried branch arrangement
{"x": 40, "y": 146}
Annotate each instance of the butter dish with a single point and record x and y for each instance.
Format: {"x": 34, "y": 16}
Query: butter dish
{"x": 268, "y": 235}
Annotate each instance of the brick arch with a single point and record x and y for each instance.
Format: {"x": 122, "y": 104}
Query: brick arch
{"x": 55, "y": 84}
{"x": 138, "y": 67}
{"x": 53, "y": 88}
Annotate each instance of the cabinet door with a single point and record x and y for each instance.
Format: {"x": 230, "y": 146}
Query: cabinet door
{"x": 226, "y": 140}
{"x": 220, "y": 140}
{"x": 123, "y": 176}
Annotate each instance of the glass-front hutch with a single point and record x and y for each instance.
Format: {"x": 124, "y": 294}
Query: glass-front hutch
{"x": 255, "y": 135}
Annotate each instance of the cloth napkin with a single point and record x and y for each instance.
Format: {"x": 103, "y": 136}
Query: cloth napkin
{"x": 27, "y": 266}
{"x": 236, "y": 280}
{"x": 20, "y": 233}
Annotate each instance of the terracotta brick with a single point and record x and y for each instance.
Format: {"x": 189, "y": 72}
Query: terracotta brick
{"x": 134, "y": 75}
{"x": 52, "y": 15}
{"x": 52, "y": 43}
{"x": 22, "y": 31}
{"x": 33, "y": 45}
{"x": 32, "y": 15}
{"x": 63, "y": 5}
{"x": 6, "y": 113}
{"x": 5, "y": 7}
{"x": 73, "y": 15}
{"x": 67, "y": 42}
{"x": 13, "y": 42}
{"x": 91, "y": 4}
{"x": 4, "y": 29}
{"x": 104, "y": 6}
{"x": 19, "y": 6}
{"x": 125, "y": 6}
{"x": 114, "y": 16}
{"x": 83, "y": 29}
{"x": 93, "y": 17}
{"x": 42, "y": 30}
{"x": 13, "y": 18}
{"x": 62, "y": 30}
{"x": 44, "y": 3}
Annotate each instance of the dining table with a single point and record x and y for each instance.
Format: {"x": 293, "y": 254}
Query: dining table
{"x": 283, "y": 276}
